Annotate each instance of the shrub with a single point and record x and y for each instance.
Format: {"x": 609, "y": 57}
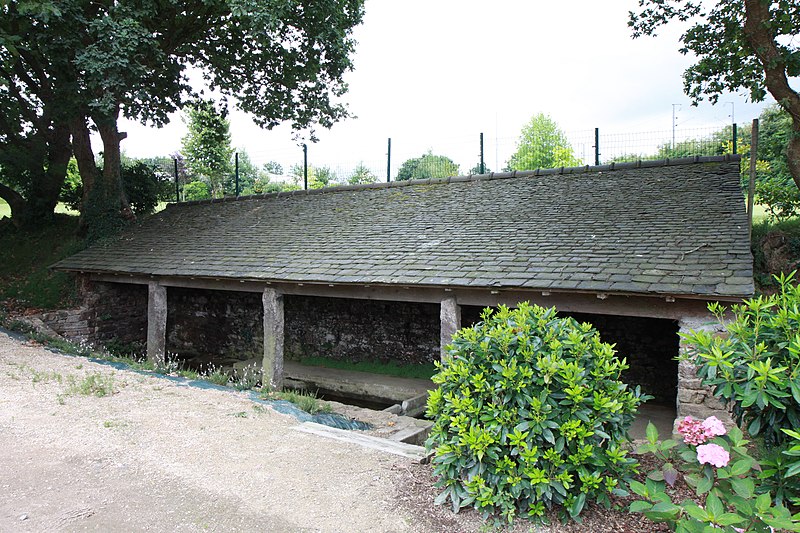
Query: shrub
{"x": 755, "y": 368}
{"x": 716, "y": 464}
{"x": 530, "y": 413}
{"x": 196, "y": 190}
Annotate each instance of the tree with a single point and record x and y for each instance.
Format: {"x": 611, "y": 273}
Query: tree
{"x": 361, "y": 174}
{"x": 542, "y": 144}
{"x": 775, "y": 188}
{"x": 207, "y": 145}
{"x": 101, "y": 60}
{"x": 427, "y": 166}
{"x": 318, "y": 177}
{"x": 739, "y": 44}
{"x": 196, "y": 190}
{"x": 34, "y": 137}
{"x": 273, "y": 167}
{"x": 478, "y": 170}
{"x": 249, "y": 174}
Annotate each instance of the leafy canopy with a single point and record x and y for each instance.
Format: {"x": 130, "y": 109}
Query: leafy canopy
{"x": 739, "y": 44}
{"x": 542, "y": 144}
{"x": 427, "y": 166}
{"x": 207, "y": 145}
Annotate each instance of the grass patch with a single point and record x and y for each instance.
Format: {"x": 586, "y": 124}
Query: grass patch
{"x": 306, "y": 401}
{"x": 27, "y": 253}
{"x": 373, "y": 367}
{"x": 96, "y": 384}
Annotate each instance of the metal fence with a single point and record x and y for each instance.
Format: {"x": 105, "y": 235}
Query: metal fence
{"x": 266, "y": 171}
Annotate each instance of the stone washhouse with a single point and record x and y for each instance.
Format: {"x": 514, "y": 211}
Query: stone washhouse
{"x": 390, "y": 271}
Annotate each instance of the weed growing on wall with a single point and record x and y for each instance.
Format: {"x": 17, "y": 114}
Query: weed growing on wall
{"x": 530, "y": 413}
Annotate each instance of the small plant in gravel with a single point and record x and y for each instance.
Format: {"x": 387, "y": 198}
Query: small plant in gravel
{"x": 530, "y": 414}
{"x": 305, "y": 401}
{"x": 716, "y": 463}
{"x": 215, "y": 375}
{"x": 95, "y": 384}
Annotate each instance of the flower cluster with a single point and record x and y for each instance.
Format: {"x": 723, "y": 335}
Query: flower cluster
{"x": 697, "y": 432}
{"x": 713, "y": 454}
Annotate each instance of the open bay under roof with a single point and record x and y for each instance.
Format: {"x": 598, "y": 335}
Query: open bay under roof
{"x": 674, "y": 227}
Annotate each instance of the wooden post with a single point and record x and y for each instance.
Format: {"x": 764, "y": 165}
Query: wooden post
{"x": 272, "y": 366}
{"x": 450, "y": 317}
{"x": 752, "y": 186}
{"x": 156, "y": 323}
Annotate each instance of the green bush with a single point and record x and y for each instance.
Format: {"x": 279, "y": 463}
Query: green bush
{"x": 530, "y": 413}
{"x": 196, "y": 190}
{"x": 755, "y": 368}
{"x": 143, "y": 182}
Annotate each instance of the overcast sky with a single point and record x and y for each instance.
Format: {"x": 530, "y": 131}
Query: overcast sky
{"x": 435, "y": 74}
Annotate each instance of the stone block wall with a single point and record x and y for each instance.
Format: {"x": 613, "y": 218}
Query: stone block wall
{"x": 108, "y": 312}
{"x": 217, "y": 326}
{"x": 361, "y": 330}
{"x": 650, "y": 346}
{"x": 694, "y": 399}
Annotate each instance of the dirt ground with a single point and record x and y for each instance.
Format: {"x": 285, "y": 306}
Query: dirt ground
{"x": 158, "y": 456}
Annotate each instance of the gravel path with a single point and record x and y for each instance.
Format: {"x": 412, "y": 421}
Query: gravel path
{"x": 159, "y": 456}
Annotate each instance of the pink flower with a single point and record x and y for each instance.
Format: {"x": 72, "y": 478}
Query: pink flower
{"x": 692, "y": 430}
{"x": 713, "y": 426}
{"x": 713, "y": 454}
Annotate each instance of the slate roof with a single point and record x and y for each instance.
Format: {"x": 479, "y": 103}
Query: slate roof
{"x": 674, "y": 227}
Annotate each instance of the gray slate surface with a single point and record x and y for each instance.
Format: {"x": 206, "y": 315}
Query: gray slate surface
{"x": 671, "y": 227}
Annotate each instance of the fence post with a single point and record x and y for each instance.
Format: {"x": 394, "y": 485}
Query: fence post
{"x": 597, "y": 146}
{"x": 389, "y": 161}
{"x": 752, "y": 185}
{"x": 735, "y": 138}
{"x": 177, "y": 186}
{"x": 305, "y": 166}
{"x": 483, "y": 165}
{"x": 236, "y": 159}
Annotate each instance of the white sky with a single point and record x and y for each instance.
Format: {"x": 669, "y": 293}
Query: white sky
{"x": 434, "y": 74}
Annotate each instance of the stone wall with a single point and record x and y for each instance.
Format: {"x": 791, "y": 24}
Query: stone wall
{"x": 694, "y": 399}
{"x": 650, "y": 346}
{"x": 361, "y": 330}
{"x": 214, "y": 326}
{"x": 109, "y": 312}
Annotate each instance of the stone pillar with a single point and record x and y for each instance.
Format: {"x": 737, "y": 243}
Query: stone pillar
{"x": 694, "y": 399}
{"x": 156, "y": 323}
{"x": 450, "y": 317}
{"x": 272, "y": 367}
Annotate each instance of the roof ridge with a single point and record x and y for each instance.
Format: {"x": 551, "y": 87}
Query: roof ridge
{"x": 640, "y": 163}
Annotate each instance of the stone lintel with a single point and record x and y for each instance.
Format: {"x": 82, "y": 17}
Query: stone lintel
{"x": 272, "y": 367}
{"x": 450, "y": 317}
{"x": 156, "y": 323}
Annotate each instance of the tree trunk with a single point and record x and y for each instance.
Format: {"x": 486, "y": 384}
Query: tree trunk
{"x": 112, "y": 165}
{"x": 756, "y": 29}
{"x": 19, "y": 207}
{"x": 46, "y": 188}
{"x": 82, "y": 148}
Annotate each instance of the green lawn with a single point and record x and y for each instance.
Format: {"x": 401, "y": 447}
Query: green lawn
{"x": 5, "y": 209}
